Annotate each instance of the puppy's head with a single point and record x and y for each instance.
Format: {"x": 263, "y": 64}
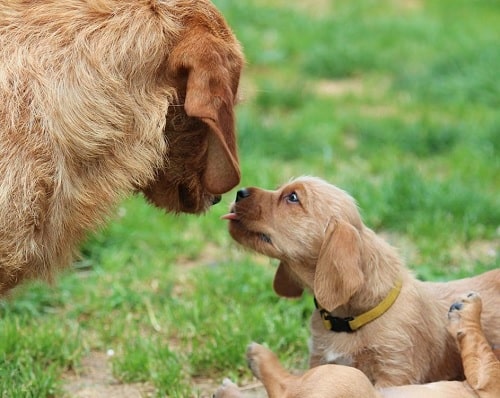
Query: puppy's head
{"x": 204, "y": 68}
{"x": 313, "y": 228}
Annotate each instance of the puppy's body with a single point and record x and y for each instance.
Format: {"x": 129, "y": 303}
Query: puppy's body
{"x": 409, "y": 344}
{"x": 100, "y": 98}
{"x": 482, "y": 369}
{"x": 315, "y": 230}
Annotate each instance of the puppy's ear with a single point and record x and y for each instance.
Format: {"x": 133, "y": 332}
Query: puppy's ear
{"x": 284, "y": 283}
{"x": 338, "y": 271}
{"x": 213, "y": 66}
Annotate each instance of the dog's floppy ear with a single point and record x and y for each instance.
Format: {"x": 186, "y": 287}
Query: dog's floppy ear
{"x": 338, "y": 270}
{"x": 213, "y": 66}
{"x": 284, "y": 283}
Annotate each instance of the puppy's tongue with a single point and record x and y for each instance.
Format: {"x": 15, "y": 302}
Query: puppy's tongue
{"x": 229, "y": 216}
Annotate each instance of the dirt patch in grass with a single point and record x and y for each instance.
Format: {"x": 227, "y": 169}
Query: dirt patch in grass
{"x": 207, "y": 387}
{"x": 94, "y": 379}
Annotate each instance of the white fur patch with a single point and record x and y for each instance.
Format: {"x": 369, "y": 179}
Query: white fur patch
{"x": 338, "y": 358}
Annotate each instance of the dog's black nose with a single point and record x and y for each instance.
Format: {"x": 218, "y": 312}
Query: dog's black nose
{"x": 456, "y": 306}
{"x": 216, "y": 199}
{"x": 242, "y": 194}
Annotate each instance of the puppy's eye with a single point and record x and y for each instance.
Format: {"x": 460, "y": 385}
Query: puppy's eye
{"x": 293, "y": 198}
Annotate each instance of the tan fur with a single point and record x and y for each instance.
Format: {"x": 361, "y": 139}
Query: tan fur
{"x": 482, "y": 369}
{"x": 101, "y": 98}
{"x": 324, "y": 247}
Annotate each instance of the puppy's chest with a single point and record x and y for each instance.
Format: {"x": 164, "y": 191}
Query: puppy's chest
{"x": 366, "y": 361}
{"x": 331, "y": 347}
{"x": 348, "y": 349}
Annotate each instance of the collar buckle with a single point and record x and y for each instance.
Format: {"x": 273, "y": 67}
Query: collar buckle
{"x": 336, "y": 324}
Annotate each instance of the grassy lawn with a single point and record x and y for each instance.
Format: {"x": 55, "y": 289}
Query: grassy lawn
{"x": 395, "y": 101}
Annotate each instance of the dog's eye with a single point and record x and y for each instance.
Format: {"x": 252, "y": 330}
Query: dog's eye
{"x": 293, "y": 198}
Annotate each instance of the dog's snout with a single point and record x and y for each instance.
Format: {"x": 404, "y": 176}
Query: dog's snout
{"x": 216, "y": 199}
{"x": 242, "y": 194}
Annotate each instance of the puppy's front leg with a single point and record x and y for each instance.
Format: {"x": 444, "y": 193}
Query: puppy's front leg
{"x": 324, "y": 381}
{"x": 481, "y": 367}
{"x": 265, "y": 367}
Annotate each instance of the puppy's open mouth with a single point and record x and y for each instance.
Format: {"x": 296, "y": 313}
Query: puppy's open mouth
{"x": 235, "y": 220}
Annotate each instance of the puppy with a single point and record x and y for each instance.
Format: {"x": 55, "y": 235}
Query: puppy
{"x": 372, "y": 313}
{"x": 482, "y": 369}
{"x": 103, "y": 98}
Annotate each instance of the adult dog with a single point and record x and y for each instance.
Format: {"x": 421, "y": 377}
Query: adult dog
{"x": 482, "y": 369}
{"x": 373, "y": 314}
{"x": 101, "y": 98}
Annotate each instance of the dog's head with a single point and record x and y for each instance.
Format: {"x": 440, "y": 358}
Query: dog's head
{"x": 204, "y": 68}
{"x": 313, "y": 228}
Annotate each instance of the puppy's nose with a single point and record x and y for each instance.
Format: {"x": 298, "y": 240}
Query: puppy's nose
{"x": 242, "y": 194}
{"x": 216, "y": 199}
{"x": 456, "y": 306}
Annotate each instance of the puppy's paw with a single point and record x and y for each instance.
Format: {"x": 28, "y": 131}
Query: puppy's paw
{"x": 253, "y": 362}
{"x": 227, "y": 390}
{"x": 466, "y": 308}
{"x": 256, "y": 357}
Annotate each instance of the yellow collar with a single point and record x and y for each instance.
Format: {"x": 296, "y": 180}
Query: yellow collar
{"x": 351, "y": 324}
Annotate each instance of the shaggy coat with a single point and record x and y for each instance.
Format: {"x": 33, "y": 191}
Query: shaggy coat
{"x": 102, "y": 98}
{"x": 316, "y": 232}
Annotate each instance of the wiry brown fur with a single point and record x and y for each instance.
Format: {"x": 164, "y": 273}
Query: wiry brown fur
{"x": 101, "y": 98}
{"x": 482, "y": 369}
{"x": 323, "y": 246}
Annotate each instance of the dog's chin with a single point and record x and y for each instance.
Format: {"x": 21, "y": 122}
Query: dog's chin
{"x": 180, "y": 199}
{"x": 252, "y": 240}
{"x": 195, "y": 203}
{"x": 188, "y": 202}
{"x": 189, "y": 207}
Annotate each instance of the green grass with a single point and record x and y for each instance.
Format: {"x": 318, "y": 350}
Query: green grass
{"x": 397, "y": 102}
